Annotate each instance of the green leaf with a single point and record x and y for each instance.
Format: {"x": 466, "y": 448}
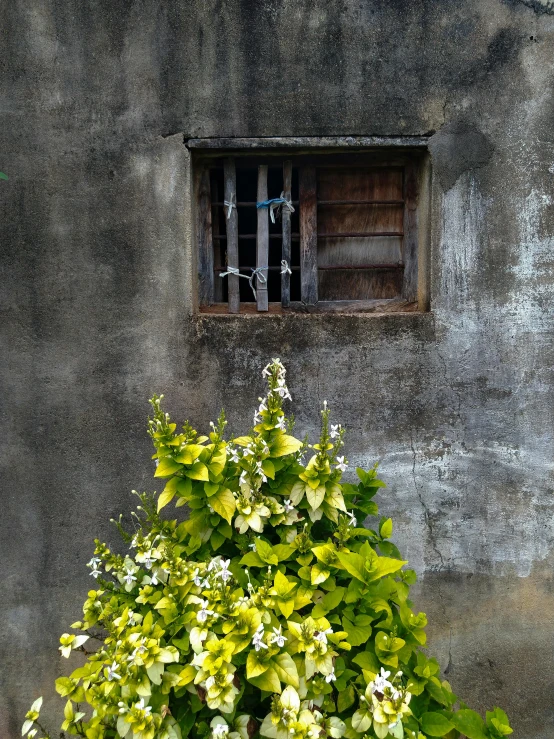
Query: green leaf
{"x": 354, "y": 564}
{"x": 269, "y": 468}
{"x": 319, "y": 573}
{"x": 216, "y": 539}
{"x": 210, "y": 488}
{"x": 242, "y": 440}
{"x": 286, "y": 669}
{"x": 269, "y": 681}
{"x": 254, "y": 667}
{"x": 333, "y": 599}
{"x": 265, "y": 551}
{"x": 224, "y": 503}
{"x": 385, "y": 566}
{"x": 167, "y": 467}
{"x": 358, "y": 631}
{"x": 385, "y": 530}
{"x": 3, "y": 176}
{"x": 189, "y": 454}
{"x": 315, "y": 497}
{"x": 367, "y": 661}
{"x": 469, "y": 723}
{"x": 346, "y": 699}
{"x": 252, "y": 559}
{"x": 165, "y": 498}
{"x": 435, "y": 724}
{"x": 155, "y": 672}
{"x": 498, "y": 719}
{"x": 283, "y": 551}
{"x": 198, "y": 471}
{"x": 284, "y": 445}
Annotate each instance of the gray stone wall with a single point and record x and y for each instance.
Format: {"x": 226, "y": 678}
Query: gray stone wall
{"x": 96, "y": 100}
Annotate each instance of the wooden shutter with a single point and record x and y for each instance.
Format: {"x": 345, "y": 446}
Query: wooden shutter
{"x": 360, "y": 229}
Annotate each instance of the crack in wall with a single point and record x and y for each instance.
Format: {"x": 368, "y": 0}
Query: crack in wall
{"x": 426, "y": 513}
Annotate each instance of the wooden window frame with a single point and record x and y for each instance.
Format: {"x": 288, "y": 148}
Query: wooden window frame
{"x": 307, "y": 154}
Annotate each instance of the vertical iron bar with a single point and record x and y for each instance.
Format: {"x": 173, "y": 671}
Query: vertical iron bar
{"x": 231, "y": 223}
{"x": 262, "y": 241}
{"x": 286, "y": 251}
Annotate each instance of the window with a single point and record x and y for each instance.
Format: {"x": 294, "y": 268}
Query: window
{"x": 318, "y": 231}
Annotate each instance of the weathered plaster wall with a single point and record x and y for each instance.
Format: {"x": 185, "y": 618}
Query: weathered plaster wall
{"x": 96, "y": 286}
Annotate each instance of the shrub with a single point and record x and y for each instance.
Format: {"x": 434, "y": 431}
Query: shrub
{"x": 269, "y": 611}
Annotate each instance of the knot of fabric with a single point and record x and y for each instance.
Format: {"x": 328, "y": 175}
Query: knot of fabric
{"x": 276, "y": 204}
{"x": 257, "y": 274}
{"x": 285, "y": 269}
{"x": 229, "y": 205}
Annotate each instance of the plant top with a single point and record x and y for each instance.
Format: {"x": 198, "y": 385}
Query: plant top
{"x": 271, "y": 611}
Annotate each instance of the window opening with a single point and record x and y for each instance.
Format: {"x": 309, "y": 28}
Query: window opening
{"x": 351, "y": 241}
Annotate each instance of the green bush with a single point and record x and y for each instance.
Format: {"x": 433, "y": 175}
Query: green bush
{"x": 269, "y": 611}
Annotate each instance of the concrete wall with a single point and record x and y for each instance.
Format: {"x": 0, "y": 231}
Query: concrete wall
{"x": 96, "y": 98}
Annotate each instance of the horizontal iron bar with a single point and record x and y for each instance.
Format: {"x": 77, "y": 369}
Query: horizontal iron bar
{"x": 360, "y": 202}
{"x": 364, "y": 235}
{"x": 270, "y": 268}
{"x": 394, "y": 265}
{"x": 249, "y": 204}
{"x": 223, "y": 237}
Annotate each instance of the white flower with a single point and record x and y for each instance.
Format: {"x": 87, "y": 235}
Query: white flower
{"x": 321, "y": 636}
{"x": 341, "y": 464}
{"x": 263, "y": 406}
{"x": 335, "y": 430}
{"x": 257, "y": 639}
{"x": 288, "y": 506}
{"x": 380, "y": 683}
{"x": 123, "y": 708}
{"x": 95, "y": 573}
{"x": 353, "y": 520}
{"x": 225, "y": 573}
{"x": 112, "y": 672}
{"x": 204, "y": 612}
{"x": 277, "y": 637}
{"x": 257, "y": 419}
{"x": 281, "y": 424}
{"x": 94, "y": 562}
{"x": 234, "y": 455}
{"x": 331, "y": 677}
{"x": 220, "y": 730}
{"x": 128, "y": 578}
{"x": 141, "y": 707}
{"x": 197, "y": 580}
{"x": 131, "y": 617}
{"x": 213, "y": 564}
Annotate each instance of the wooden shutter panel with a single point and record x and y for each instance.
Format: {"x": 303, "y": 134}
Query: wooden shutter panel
{"x": 360, "y": 229}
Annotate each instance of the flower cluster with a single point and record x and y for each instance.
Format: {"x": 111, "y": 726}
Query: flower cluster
{"x": 267, "y": 611}
{"x": 383, "y": 705}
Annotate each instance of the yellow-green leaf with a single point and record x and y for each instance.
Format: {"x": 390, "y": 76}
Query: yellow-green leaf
{"x": 286, "y": 669}
{"x": 284, "y": 445}
{"x": 269, "y": 681}
{"x": 167, "y": 467}
{"x": 254, "y": 667}
{"x": 224, "y": 503}
{"x": 315, "y": 497}
{"x": 319, "y": 573}
{"x": 198, "y": 471}
{"x": 165, "y": 498}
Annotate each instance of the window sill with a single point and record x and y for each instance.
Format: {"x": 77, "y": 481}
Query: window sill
{"x": 345, "y": 307}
